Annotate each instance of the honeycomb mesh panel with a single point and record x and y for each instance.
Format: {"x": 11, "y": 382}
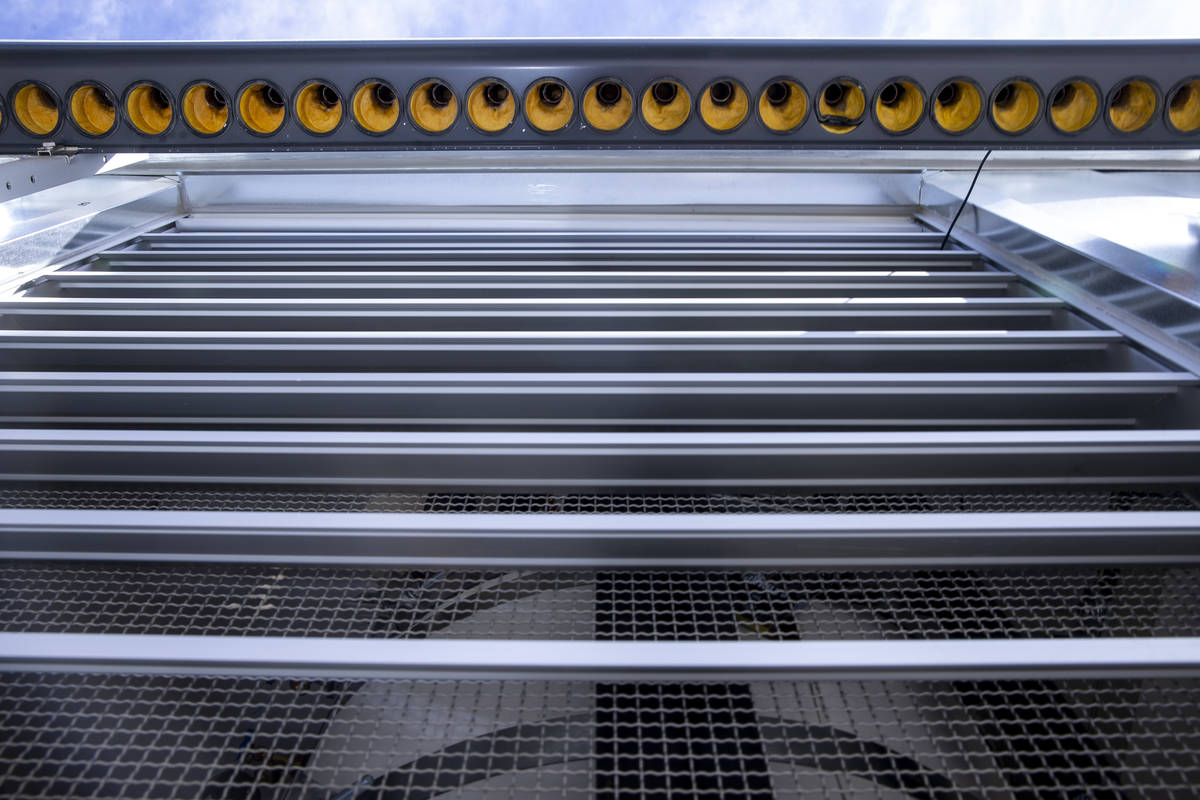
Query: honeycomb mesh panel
{"x": 244, "y": 600}
{"x": 107, "y": 736}
{"x": 190, "y": 498}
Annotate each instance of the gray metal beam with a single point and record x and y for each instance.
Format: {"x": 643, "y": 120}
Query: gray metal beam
{"x": 29, "y": 314}
{"x": 536, "y": 461}
{"x": 971, "y": 659}
{"x": 871, "y": 65}
{"x": 568, "y": 354}
{"x": 584, "y": 400}
{"x": 503, "y": 240}
{"x": 463, "y": 540}
{"x": 392, "y": 285}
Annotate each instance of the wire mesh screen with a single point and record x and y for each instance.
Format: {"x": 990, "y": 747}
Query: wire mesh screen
{"x": 234, "y": 600}
{"x": 199, "y": 737}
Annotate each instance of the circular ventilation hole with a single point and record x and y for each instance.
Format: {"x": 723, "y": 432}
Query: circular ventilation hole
{"x": 205, "y": 109}
{"x": 433, "y": 106}
{"x": 607, "y": 105}
{"x": 148, "y": 108}
{"x": 666, "y": 105}
{"x": 899, "y": 105}
{"x": 1015, "y": 106}
{"x": 36, "y": 109}
{"x": 491, "y": 107}
{"x": 319, "y": 108}
{"x": 261, "y": 108}
{"x": 1132, "y": 106}
{"x": 782, "y": 105}
{"x": 93, "y": 109}
{"x": 549, "y": 105}
{"x": 724, "y": 105}
{"x": 376, "y": 107}
{"x": 1073, "y": 106}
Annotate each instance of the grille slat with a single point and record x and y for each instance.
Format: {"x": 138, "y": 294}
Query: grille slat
{"x": 183, "y": 238}
{"x": 604, "y": 331}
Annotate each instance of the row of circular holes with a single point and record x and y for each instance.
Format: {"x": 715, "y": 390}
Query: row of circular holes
{"x": 608, "y": 105}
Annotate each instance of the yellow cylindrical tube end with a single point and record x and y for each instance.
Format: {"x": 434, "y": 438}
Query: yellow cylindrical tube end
{"x": 607, "y": 105}
{"x": 432, "y": 106}
{"x": 205, "y": 109}
{"x": 841, "y": 106}
{"x": 549, "y": 105}
{"x": 1132, "y": 106}
{"x": 783, "y": 105}
{"x": 1183, "y": 107}
{"x": 376, "y": 107}
{"x": 491, "y": 107}
{"x": 93, "y": 110}
{"x": 36, "y": 109}
{"x": 724, "y": 105}
{"x": 1073, "y": 106}
{"x": 319, "y": 108}
{"x": 666, "y": 105}
{"x": 148, "y": 109}
{"x": 261, "y": 108}
{"x": 1015, "y": 106}
{"x": 957, "y": 105}
{"x": 899, "y": 105}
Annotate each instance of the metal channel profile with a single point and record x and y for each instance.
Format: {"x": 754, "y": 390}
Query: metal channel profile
{"x": 539, "y": 94}
{"x": 606, "y": 540}
{"x": 478, "y": 659}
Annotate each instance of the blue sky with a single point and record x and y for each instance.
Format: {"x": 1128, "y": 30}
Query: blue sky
{"x": 388, "y": 19}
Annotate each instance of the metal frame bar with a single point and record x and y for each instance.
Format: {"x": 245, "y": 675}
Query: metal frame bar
{"x": 975, "y": 659}
{"x": 543, "y": 461}
{"x": 345, "y": 65}
{"x": 774, "y": 540}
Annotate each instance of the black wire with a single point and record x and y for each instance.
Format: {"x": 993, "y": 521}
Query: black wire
{"x": 967, "y": 197}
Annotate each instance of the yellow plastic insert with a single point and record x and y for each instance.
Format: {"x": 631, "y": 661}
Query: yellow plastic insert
{"x": 845, "y": 100}
{"x": 607, "y": 116}
{"x": 319, "y": 107}
{"x": 93, "y": 110}
{"x": 1015, "y": 106}
{"x": 376, "y": 108}
{"x": 261, "y": 108}
{"x": 427, "y": 110}
{"x": 666, "y": 116}
{"x": 728, "y": 115}
{"x": 899, "y": 106}
{"x": 1184, "y": 108}
{"x": 149, "y": 109}
{"x": 491, "y": 107}
{"x": 1132, "y": 106}
{"x": 541, "y": 110}
{"x": 782, "y": 106}
{"x": 35, "y": 109}
{"x": 956, "y": 107}
{"x": 205, "y": 109}
{"x": 1073, "y": 106}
